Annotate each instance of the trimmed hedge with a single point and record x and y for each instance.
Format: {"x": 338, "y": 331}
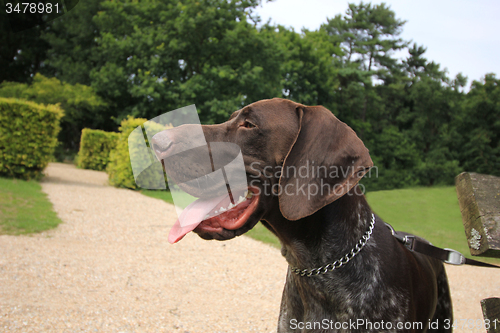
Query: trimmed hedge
{"x": 95, "y": 147}
{"x": 28, "y": 136}
{"x": 119, "y": 166}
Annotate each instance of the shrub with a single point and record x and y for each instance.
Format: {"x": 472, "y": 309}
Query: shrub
{"x": 119, "y": 167}
{"x": 95, "y": 147}
{"x": 28, "y": 136}
{"x": 82, "y": 107}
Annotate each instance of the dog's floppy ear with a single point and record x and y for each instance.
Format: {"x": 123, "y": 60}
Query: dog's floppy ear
{"x": 326, "y": 160}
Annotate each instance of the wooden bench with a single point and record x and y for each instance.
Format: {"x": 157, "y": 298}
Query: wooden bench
{"x": 479, "y": 200}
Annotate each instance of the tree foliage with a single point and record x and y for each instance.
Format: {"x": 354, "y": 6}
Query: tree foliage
{"x": 149, "y": 57}
{"x": 144, "y": 58}
{"x": 21, "y": 53}
{"x": 478, "y": 146}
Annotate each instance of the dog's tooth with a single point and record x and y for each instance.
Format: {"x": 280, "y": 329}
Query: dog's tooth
{"x": 222, "y": 209}
{"x": 241, "y": 199}
{"x": 249, "y": 195}
{"x": 230, "y": 206}
{"x": 216, "y": 212}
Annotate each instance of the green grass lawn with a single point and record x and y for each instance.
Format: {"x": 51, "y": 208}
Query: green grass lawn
{"x": 432, "y": 213}
{"x": 259, "y": 232}
{"x": 158, "y": 194}
{"x": 182, "y": 199}
{"x": 24, "y": 208}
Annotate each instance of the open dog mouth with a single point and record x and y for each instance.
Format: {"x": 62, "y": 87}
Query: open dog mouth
{"x": 216, "y": 214}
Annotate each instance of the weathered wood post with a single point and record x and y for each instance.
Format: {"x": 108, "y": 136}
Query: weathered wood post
{"x": 479, "y": 200}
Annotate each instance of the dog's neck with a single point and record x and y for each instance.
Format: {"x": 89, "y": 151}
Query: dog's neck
{"x": 325, "y": 236}
{"x": 318, "y": 240}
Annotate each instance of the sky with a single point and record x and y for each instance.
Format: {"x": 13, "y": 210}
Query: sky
{"x": 460, "y": 35}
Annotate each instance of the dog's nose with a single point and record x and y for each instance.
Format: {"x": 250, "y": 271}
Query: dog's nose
{"x": 161, "y": 143}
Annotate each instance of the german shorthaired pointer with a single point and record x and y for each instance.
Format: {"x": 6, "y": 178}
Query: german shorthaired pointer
{"x": 347, "y": 273}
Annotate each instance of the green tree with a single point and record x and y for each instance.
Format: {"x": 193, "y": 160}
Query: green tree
{"x": 368, "y": 37}
{"x": 433, "y": 102}
{"x": 146, "y": 58}
{"x": 72, "y": 39}
{"x": 21, "y": 53}
{"x": 308, "y": 73}
{"x": 479, "y": 125}
{"x": 82, "y": 107}
{"x": 395, "y": 158}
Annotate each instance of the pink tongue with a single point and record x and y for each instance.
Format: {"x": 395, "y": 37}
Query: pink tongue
{"x": 191, "y": 217}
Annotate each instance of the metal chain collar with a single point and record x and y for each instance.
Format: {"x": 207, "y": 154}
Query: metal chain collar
{"x": 342, "y": 261}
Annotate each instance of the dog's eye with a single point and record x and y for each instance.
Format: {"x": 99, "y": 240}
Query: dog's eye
{"x": 247, "y": 124}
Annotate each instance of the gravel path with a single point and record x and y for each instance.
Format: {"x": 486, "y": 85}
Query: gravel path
{"x": 109, "y": 268}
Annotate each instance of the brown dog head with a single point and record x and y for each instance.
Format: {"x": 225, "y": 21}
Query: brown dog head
{"x": 300, "y": 157}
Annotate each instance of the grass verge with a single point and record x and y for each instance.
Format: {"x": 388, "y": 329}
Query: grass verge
{"x": 24, "y": 208}
{"x": 158, "y": 194}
